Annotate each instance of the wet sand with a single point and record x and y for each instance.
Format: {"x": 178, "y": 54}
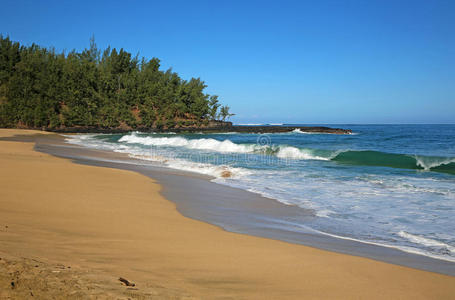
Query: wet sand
{"x": 237, "y": 210}
{"x": 110, "y": 223}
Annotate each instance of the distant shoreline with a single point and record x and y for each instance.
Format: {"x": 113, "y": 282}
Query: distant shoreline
{"x": 218, "y": 128}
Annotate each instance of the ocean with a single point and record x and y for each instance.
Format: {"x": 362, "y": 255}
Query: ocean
{"x": 389, "y": 185}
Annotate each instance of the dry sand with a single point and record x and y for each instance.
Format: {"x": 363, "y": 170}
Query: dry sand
{"x": 108, "y": 223}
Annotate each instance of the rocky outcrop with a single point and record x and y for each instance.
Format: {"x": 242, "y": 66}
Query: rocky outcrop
{"x": 265, "y": 129}
{"x": 211, "y": 127}
{"x": 305, "y": 129}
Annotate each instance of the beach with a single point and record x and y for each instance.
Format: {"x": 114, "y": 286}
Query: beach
{"x": 93, "y": 225}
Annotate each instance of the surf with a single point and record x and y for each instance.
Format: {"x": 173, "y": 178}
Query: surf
{"x": 373, "y": 203}
{"x": 344, "y": 157}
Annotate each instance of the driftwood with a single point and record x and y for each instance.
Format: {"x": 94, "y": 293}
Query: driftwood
{"x": 126, "y": 282}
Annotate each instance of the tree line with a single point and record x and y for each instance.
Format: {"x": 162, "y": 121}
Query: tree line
{"x": 41, "y": 88}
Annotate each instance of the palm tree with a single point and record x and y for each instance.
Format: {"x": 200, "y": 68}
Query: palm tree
{"x": 224, "y": 113}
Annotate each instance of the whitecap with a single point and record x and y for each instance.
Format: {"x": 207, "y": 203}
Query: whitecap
{"x": 199, "y": 144}
{"x": 296, "y": 153}
{"x": 428, "y": 163}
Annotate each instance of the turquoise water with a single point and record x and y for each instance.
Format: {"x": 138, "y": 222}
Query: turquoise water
{"x": 392, "y": 185}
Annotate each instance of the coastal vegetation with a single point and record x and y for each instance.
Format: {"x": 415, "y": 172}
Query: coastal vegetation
{"x": 41, "y": 88}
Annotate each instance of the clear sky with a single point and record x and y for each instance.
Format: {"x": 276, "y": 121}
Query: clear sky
{"x": 365, "y": 61}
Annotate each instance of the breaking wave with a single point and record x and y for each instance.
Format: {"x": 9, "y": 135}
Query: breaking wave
{"x": 349, "y": 157}
{"x": 401, "y": 161}
{"x": 199, "y": 144}
{"x": 296, "y": 153}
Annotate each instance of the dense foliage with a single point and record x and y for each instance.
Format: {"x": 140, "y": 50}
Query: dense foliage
{"x": 112, "y": 89}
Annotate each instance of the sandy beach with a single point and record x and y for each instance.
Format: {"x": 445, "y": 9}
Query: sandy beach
{"x": 69, "y": 230}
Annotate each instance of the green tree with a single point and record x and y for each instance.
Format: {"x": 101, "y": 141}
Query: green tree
{"x": 94, "y": 88}
{"x": 213, "y": 107}
{"x": 224, "y": 113}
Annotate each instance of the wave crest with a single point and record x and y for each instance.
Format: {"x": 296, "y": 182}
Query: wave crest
{"x": 350, "y": 157}
{"x": 199, "y": 144}
{"x": 394, "y": 160}
{"x": 428, "y": 163}
{"x": 296, "y": 153}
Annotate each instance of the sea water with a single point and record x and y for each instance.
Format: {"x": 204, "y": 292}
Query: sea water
{"x": 392, "y": 185}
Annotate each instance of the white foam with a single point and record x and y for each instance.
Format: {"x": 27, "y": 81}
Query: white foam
{"x": 231, "y": 132}
{"x": 87, "y": 140}
{"x": 426, "y": 241}
{"x": 225, "y": 146}
{"x": 402, "y": 248}
{"x": 297, "y": 130}
{"x": 199, "y": 144}
{"x": 296, "y": 153}
{"x": 77, "y": 137}
{"x": 429, "y": 162}
{"x": 217, "y": 171}
{"x": 324, "y": 213}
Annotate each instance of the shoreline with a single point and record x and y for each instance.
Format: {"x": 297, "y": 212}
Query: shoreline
{"x": 146, "y": 238}
{"x": 197, "y": 197}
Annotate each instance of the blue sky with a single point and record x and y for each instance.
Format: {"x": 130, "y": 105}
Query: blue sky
{"x": 328, "y": 62}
